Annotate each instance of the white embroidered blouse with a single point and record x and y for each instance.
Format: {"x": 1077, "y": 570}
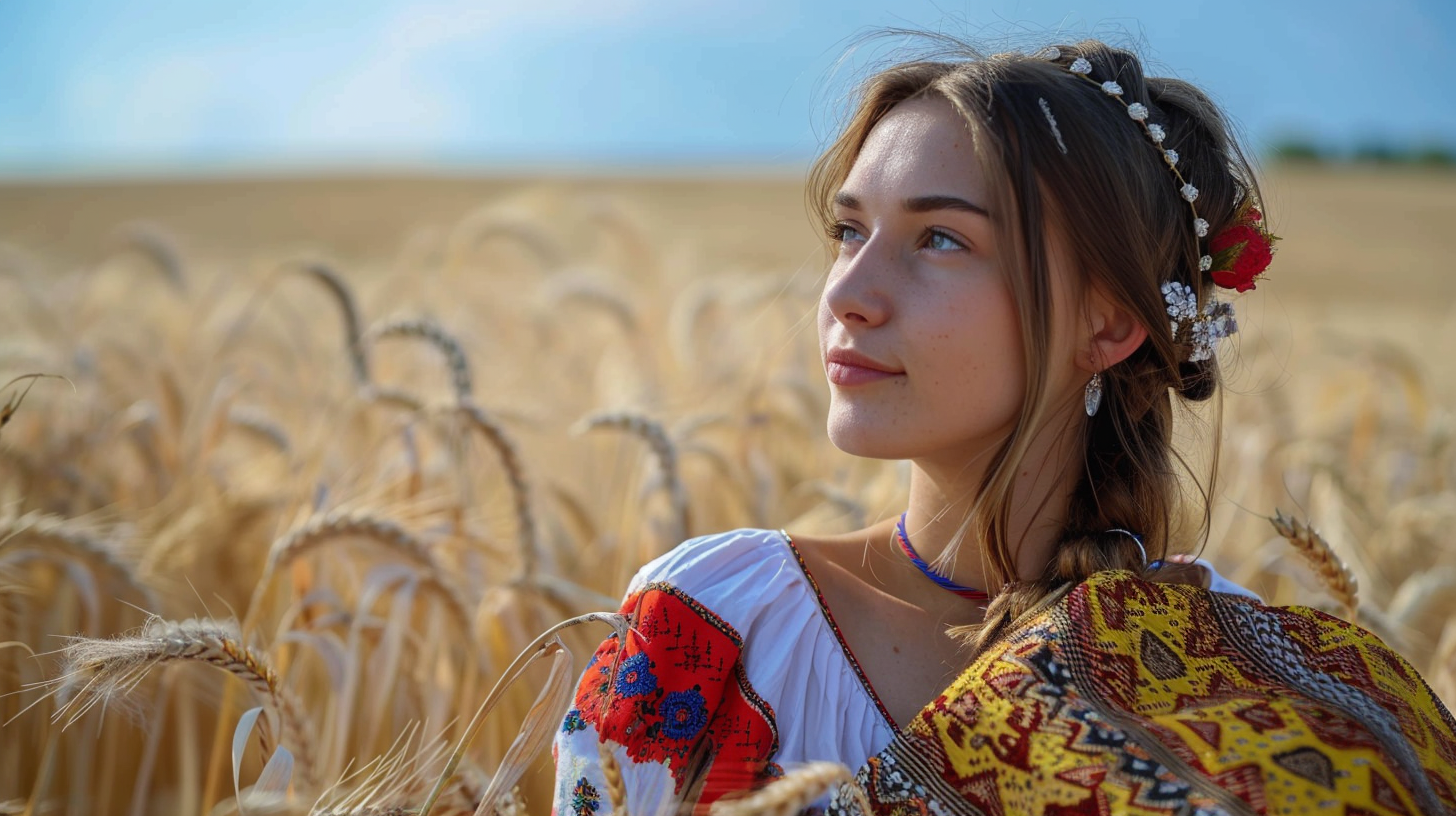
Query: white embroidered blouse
{"x": 734, "y": 663}
{"x": 738, "y": 660}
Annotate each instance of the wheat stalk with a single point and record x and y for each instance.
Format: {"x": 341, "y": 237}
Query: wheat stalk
{"x": 383, "y": 533}
{"x": 546, "y": 645}
{"x": 663, "y": 449}
{"x": 430, "y": 332}
{"x": 102, "y": 670}
{"x": 403, "y": 774}
{"x": 510, "y": 457}
{"x": 1331, "y": 570}
{"x": 795, "y": 791}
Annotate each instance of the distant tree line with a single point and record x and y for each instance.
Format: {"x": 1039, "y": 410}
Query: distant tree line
{"x": 1302, "y": 150}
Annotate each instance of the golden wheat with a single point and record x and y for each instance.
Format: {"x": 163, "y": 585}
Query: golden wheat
{"x": 343, "y": 295}
{"x": 612, "y": 771}
{"x": 650, "y": 431}
{"x": 158, "y": 246}
{"x": 102, "y": 671}
{"x": 37, "y": 535}
{"x": 435, "y": 335}
{"x": 795, "y": 791}
{"x": 381, "y": 533}
{"x": 704, "y": 333}
{"x": 1331, "y": 570}
{"x": 499, "y": 439}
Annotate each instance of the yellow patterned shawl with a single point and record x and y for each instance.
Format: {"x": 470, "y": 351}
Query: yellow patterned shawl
{"x": 1144, "y": 698}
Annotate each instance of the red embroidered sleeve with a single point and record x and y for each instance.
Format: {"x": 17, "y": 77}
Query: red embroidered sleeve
{"x": 680, "y": 695}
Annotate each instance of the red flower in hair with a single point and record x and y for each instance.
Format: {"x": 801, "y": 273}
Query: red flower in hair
{"x": 1241, "y": 253}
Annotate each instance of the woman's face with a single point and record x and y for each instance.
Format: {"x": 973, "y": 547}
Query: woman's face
{"x": 917, "y": 325}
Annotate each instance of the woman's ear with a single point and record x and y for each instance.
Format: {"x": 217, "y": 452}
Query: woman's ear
{"x": 1113, "y": 333}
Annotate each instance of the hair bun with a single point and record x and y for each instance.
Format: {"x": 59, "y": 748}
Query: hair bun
{"x": 1197, "y": 381}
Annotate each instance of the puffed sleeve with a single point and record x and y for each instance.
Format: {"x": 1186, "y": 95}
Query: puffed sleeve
{"x": 685, "y": 720}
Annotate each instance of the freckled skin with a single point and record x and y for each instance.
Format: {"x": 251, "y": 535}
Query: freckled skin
{"x": 923, "y": 295}
{"x": 941, "y": 313}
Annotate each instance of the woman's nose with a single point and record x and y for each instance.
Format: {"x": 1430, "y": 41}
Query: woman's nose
{"x": 857, "y": 292}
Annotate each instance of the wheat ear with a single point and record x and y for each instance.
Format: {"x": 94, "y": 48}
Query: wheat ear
{"x": 435, "y": 335}
{"x": 1317, "y": 553}
{"x": 382, "y": 533}
{"x": 612, "y": 770}
{"x": 100, "y": 670}
{"x": 651, "y": 432}
{"x": 159, "y": 247}
{"x": 477, "y": 227}
{"x": 348, "y": 309}
{"x": 259, "y": 424}
{"x": 398, "y": 397}
{"x": 582, "y": 289}
{"x": 510, "y": 458}
{"x": 56, "y": 534}
{"x": 794, "y": 792}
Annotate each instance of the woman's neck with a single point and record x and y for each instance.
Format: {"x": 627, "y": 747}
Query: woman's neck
{"x": 942, "y": 501}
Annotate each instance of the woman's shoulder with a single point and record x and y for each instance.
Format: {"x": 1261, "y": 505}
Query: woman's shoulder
{"x": 723, "y": 571}
{"x": 1259, "y": 698}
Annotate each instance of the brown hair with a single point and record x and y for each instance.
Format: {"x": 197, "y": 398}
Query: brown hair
{"x": 1103, "y": 182}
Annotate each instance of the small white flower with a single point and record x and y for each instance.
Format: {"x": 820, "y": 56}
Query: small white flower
{"x": 1137, "y": 111}
{"x": 1182, "y": 304}
{"x": 1171, "y": 157}
{"x": 1202, "y": 346}
{"x": 1201, "y": 227}
{"x": 1155, "y": 132}
{"x": 1111, "y": 88}
{"x": 1216, "y": 323}
{"x": 1205, "y": 263}
{"x": 1080, "y": 66}
{"x": 1190, "y": 193}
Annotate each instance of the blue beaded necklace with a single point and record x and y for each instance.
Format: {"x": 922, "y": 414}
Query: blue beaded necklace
{"x": 969, "y": 593}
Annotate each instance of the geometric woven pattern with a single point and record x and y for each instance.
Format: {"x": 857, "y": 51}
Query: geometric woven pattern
{"x": 1145, "y": 698}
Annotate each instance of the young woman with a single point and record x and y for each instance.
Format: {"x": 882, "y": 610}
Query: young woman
{"x": 1035, "y": 254}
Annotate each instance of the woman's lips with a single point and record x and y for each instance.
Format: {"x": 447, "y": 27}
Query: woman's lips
{"x": 845, "y": 367}
{"x": 841, "y": 374}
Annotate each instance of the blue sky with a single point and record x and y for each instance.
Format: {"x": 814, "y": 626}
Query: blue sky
{"x": 100, "y": 86}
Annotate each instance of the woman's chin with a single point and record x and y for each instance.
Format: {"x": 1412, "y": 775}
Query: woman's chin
{"x": 858, "y": 438}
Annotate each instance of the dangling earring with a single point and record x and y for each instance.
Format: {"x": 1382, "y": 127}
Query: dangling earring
{"x": 1093, "y": 397}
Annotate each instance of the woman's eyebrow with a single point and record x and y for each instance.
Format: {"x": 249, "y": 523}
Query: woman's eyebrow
{"x": 943, "y": 202}
{"x": 919, "y": 204}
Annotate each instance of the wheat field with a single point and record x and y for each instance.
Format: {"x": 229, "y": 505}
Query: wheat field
{"x": 317, "y": 460}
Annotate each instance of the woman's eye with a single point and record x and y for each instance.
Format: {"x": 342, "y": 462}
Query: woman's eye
{"x": 844, "y": 233}
{"x": 943, "y": 241}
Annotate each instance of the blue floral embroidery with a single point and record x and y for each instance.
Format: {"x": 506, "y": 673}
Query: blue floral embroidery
{"x": 573, "y": 722}
{"x": 635, "y": 677}
{"x": 584, "y": 798}
{"x": 684, "y": 714}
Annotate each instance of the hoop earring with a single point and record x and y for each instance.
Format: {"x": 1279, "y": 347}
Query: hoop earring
{"x": 1092, "y": 399}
